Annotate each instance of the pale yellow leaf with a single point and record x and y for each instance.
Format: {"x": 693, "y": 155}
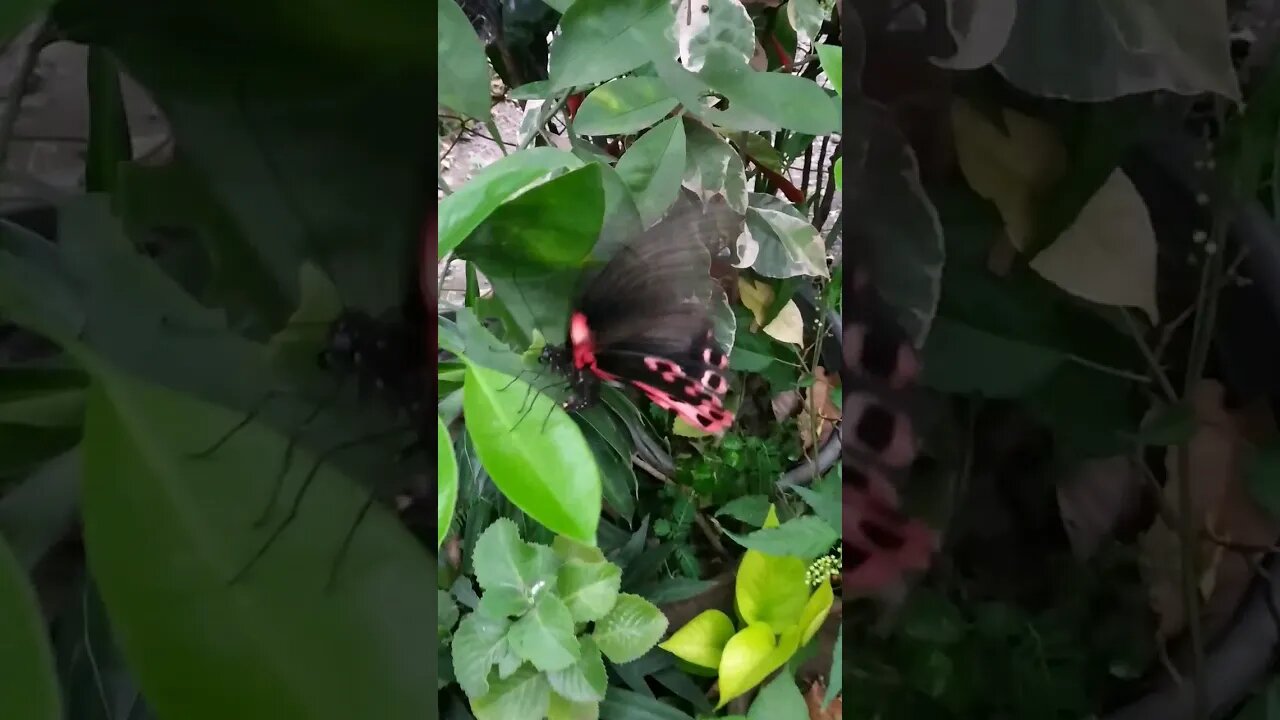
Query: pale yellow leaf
{"x": 1010, "y": 170}
{"x": 756, "y": 297}
{"x": 1108, "y": 255}
{"x": 788, "y": 326}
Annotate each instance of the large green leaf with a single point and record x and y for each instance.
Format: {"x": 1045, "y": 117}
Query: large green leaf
{"x": 534, "y": 452}
{"x": 782, "y": 100}
{"x": 462, "y": 75}
{"x": 464, "y": 210}
{"x": 28, "y": 683}
{"x": 652, "y": 169}
{"x": 602, "y": 39}
{"x": 622, "y": 106}
{"x": 446, "y": 481}
{"x": 275, "y": 643}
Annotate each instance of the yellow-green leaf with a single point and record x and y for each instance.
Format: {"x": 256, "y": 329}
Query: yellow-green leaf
{"x": 750, "y": 656}
{"x": 815, "y": 611}
{"x": 702, "y": 640}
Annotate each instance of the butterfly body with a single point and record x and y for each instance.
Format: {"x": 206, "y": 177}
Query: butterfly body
{"x": 643, "y": 321}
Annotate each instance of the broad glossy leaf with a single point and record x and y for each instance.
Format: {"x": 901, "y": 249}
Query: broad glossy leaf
{"x": 37, "y": 513}
{"x": 562, "y": 709}
{"x": 771, "y": 590}
{"x": 785, "y": 244}
{"x": 702, "y": 639}
{"x": 462, "y": 78}
{"x": 478, "y": 643}
{"x": 832, "y": 59}
{"x": 446, "y": 481}
{"x": 28, "y": 682}
{"x": 1136, "y": 47}
{"x": 503, "y": 561}
{"x": 750, "y": 656}
{"x": 584, "y": 681}
{"x": 714, "y": 167}
{"x": 548, "y": 472}
{"x": 718, "y": 26}
{"x": 630, "y": 630}
{"x": 274, "y": 643}
{"x": 652, "y": 167}
{"x": 620, "y": 704}
{"x": 589, "y": 589}
{"x": 815, "y": 611}
{"x": 525, "y": 694}
{"x": 805, "y": 537}
{"x": 602, "y": 39}
{"x": 780, "y": 698}
{"x": 784, "y": 101}
{"x": 544, "y": 636}
{"x": 464, "y": 210}
{"x": 623, "y": 106}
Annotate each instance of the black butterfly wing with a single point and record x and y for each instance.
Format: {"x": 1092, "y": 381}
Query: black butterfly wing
{"x": 879, "y": 442}
{"x": 648, "y": 317}
{"x": 652, "y": 295}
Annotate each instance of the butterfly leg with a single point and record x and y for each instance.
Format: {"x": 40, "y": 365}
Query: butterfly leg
{"x": 286, "y": 461}
{"x": 249, "y": 417}
{"x": 302, "y": 490}
{"x": 524, "y": 412}
{"x": 405, "y": 453}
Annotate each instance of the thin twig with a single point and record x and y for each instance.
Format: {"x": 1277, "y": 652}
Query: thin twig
{"x": 1153, "y": 361}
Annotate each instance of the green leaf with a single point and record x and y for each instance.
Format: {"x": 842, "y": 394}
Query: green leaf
{"x": 562, "y": 709}
{"x": 525, "y": 694}
{"x": 602, "y": 39}
{"x": 620, "y": 704}
{"x": 28, "y": 682}
{"x": 652, "y": 167}
{"x": 824, "y": 498}
{"x": 503, "y": 561}
{"x": 714, "y": 166}
{"x": 623, "y": 106}
{"x": 548, "y": 472}
{"x": 446, "y": 612}
{"x": 728, "y": 29}
{"x": 779, "y": 700}
{"x": 584, "y": 681}
{"x": 966, "y": 360}
{"x": 838, "y": 170}
{"x": 630, "y": 630}
{"x": 463, "y": 72}
{"x": 1262, "y": 477}
{"x": 545, "y": 636}
{"x": 771, "y": 590}
{"x": 554, "y": 224}
{"x": 750, "y": 509}
{"x": 589, "y": 589}
{"x": 1136, "y": 48}
{"x": 806, "y": 537}
{"x": 750, "y": 656}
{"x": 253, "y": 643}
{"x": 446, "y": 479}
{"x": 832, "y": 59}
{"x": 786, "y": 244}
{"x": 469, "y": 205}
{"x": 702, "y": 639}
{"x": 478, "y": 643}
{"x": 815, "y": 611}
{"x": 807, "y": 16}
{"x": 782, "y": 101}
{"x": 37, "y": 513}
{"x": 835, "y": 678}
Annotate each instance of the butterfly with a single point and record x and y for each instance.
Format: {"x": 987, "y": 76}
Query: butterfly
{"x": 643, "y": 320}
{"x": 879, "y": 441}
